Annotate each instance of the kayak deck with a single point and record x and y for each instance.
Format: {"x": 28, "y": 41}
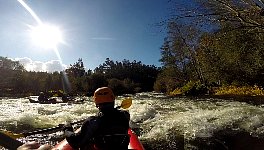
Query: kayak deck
{"x": 133, "y": 144}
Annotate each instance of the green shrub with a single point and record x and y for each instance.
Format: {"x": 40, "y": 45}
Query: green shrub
{"x": 242, "y": 91}
{"x": 194, "y": 88}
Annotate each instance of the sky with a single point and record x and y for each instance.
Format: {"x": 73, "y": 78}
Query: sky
{"x": 90, "y": 29}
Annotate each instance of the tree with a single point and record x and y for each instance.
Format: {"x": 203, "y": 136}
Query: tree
{"x": 95, "y": 81}
{"x": 234, "y": 52}
{"x": 169, "y": 79}
{"x": 123, "y": 77}
{"x": 8, "y": 64}
{"x": 241, "y": 14}
{"x": 76, "y": 70}
{"x": 219, "y": 40}
{"x": 141, "y": 74}
{"x": 240, "y": 59}
{"x": 11, "y": 77}
{"x": 179, "y": 48}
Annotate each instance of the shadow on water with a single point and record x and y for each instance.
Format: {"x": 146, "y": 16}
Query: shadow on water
{"x": 173, "y": 142}
{"x": 227, "y": 139}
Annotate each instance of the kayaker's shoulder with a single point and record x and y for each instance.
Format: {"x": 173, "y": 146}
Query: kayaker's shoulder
{"x": 126, "y": 113}
{"x": 91, "y": 119}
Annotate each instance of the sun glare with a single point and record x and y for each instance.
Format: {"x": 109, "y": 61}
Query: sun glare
{"x": 46, "y": 36}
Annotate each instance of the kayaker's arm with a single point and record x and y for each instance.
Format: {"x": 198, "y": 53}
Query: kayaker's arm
{"x": 68, "y": 130}
{"x": 71, "y": 136}
{"x": 89, "y": 129}
{"x": 77, "y": 140}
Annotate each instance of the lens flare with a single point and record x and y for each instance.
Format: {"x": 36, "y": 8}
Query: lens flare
{"x": 32, "y": 13}
{"x": 46, "y": 36}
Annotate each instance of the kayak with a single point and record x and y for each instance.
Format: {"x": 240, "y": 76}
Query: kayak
{"x": 34, "y": 99}
{"x": 55, "y": 100}
{"x": 134, "y": 143}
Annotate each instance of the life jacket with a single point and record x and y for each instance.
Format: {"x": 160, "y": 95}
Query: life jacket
{"x": 112, "y": 130}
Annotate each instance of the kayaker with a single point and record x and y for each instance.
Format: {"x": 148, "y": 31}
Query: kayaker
{"x": 65, "y": 98}
{"x": 107, "y": 130}
{"x": 42, "y": 97}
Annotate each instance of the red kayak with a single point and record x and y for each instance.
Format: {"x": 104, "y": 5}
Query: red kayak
{"x": 134, "y": 143}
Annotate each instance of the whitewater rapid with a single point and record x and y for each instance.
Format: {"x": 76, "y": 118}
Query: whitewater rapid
{"x": 161, "y": 122}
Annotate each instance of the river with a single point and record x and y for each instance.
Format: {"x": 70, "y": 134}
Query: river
{"x": 161, "y": 122}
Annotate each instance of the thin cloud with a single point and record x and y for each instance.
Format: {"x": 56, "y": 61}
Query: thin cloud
{"x": 103, "y": 38}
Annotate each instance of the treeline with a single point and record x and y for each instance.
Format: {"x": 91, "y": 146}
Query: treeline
{"x": 219, "y": 43}
{"x": 122, "y": 77}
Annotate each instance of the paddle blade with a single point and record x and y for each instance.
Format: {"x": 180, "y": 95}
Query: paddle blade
{"x": 126, "y": 103}
{"x": 8, "y": 142}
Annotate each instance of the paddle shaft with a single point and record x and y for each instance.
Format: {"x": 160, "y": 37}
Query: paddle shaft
{"x": 12, "y": 144}
{"x": 47, "y": 130}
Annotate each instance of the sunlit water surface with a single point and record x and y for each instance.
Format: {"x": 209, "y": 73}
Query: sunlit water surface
{"x": 161, "y": 122}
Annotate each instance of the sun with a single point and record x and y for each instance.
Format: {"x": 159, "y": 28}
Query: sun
{"x": 46, "y": 35}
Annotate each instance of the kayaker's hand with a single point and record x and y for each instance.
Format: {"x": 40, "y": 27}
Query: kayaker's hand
{"x": 67, "y": 127}
{"x": 34, "y": 145}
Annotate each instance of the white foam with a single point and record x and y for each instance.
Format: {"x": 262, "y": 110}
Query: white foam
{"x": 159, "y": 118}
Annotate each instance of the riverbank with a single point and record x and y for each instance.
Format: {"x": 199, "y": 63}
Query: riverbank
{"x": 249, "y": 94}
{"x": 254, "y": 100}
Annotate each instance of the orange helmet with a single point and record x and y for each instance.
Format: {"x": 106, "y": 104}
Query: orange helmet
{"x": 103, "y": 95}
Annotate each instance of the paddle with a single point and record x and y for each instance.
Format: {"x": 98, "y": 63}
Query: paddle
{"x": 8, "y": 142}
{"x": 47, "y": 130}
{"x": 126, "y": 103}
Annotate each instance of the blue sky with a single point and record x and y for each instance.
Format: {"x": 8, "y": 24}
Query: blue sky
{"x": 92, "y": 30}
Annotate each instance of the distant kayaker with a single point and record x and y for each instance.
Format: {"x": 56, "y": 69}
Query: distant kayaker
{"x": 42, "y": 97}
{"x": 65, "y": 98}
{"x": 107, "y": 130}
